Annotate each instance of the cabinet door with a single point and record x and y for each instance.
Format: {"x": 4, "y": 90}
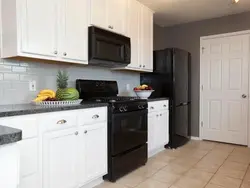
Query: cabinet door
{"x": 98, "y": 13}
{"x": 146, "y": 38}
{"x": 74, "y": 31}
{"x": 133, "y": 32}
{"x": 152, "y": 123}
{"x": 93, "y": 151}
{"x": 117, "y": 15}
{"x": 163, "y": 128}
{"x": 39, "y": 27}
{"x": 59, "y": 159}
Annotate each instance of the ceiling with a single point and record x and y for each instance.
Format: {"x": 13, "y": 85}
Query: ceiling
{"x": 173, "y": 12}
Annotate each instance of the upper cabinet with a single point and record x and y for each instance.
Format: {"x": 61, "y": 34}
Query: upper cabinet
{"x": 146, "y": 34}
{"x": 45, "y": 29}
{"x": 140, "y": 31}
{"x": 110, "y": 15}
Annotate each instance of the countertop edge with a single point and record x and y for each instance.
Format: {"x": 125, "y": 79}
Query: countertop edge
{"x": 9, "y": 135}
{"x": 158, "y": 99}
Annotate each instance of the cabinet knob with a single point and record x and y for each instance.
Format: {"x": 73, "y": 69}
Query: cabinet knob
{"x": 157, "y": 115}
{"x": 65, "y": 54}
{"x": 110, "y": 27}
{"x": 95, "y": 116}
{"x": 143, "y": 66}
{"x": 55, "y": 52}
{"x": 63, "y": 121}
{"x": 160, "y": 114}
{"x": 152, "y": 108}
{"x": 164, "y": 106}
{"x": 85, "y": 132}
{"x": 76, "y": 133}
{"x": 140, "y": 66}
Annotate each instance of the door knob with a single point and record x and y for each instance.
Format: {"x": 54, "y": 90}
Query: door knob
{"x": 244, "y": 96}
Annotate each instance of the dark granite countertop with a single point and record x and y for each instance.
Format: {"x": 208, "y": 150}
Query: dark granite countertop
{"x": 158, "y": 99}
{"x": 25, "y": 109}
{"x": 9, "y": 135}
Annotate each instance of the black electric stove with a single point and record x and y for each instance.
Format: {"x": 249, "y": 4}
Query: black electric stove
{"x": 127, "y": 126}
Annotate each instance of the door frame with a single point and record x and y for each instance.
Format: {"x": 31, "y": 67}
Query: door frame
{"x": 245, "y": 32}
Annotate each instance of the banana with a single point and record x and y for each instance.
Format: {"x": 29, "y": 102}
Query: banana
{"x": 41, "y": 98}
{"x": 47, "y": 92}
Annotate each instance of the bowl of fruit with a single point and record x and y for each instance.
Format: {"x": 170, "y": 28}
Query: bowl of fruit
{"x": 143, "y": 91}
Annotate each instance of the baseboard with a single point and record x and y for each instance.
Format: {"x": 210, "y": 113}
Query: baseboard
{"x": 195, "y": 138}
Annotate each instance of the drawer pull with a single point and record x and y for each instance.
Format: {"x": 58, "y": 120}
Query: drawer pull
{"x": 164, "y": 106}
{"x": 76, "y": 133}
{"x": 63, "y": 121}
{"x": 85, "y": 132}
{"x": 95, "y": 116}
{"x": 152, "y": 108}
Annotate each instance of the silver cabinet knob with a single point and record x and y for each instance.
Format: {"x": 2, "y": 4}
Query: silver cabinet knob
{"x": 164, "y": 106}
{"x": 140, "y": 66}
{"x": 55, "y": 52}
{"x": 85, "y": 132}
{"x": 65, "y": 54}
{"x": 157, "y": 115}
{"x": 110, "y": 27}
{"x": 95, "y": 116}
{"x": 143, "y": 66}
{"x": 152, "y": 108}
{"x": 160, "y": 114}
{"x": 76, "y": 133}
{"x": 244, "y": 96}
{"x": 63, "y": 121}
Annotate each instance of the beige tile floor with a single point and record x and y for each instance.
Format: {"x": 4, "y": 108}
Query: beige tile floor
{"x": 199, "y": 164}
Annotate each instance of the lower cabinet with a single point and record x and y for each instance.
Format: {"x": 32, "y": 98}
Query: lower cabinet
{"x": 60, "y": 159}
{"x": 93, "y": 152}
{"x": 158, "y": 131}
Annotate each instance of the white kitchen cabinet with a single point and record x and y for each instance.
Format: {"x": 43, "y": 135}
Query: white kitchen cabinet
{"x": 140, "y": 31}
{"x": 134, "y": 32}
{"x": 158, "y": 127}
{"x": 44, "y": 29}
{"x": 109, "y": 14}
{"x": 9, "y": 166}
{"x": 29, "y": 149}
{"x": 146, "y": 34}
{"x": 60, "y": 159}
{"x": 93, "y": 152}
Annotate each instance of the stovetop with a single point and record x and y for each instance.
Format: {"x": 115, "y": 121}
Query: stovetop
{"x": 116, "y": 99}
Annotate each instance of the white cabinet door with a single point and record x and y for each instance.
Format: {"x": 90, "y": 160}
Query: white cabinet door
{"x": 117, "y": 15}
{"x": 74, "y": 30}
{"x": 98, "y": 13}
{"x": 29, "y": 166}
{"x": 133, "y": 32}
{"x": 39, "y": 22}
{"x": 93, "y": 150}
{"x": 59, "y": 159}
{"x": 163, "y": 127}
{"x": 146, "y": 38}
{"x": 152, "y": 123}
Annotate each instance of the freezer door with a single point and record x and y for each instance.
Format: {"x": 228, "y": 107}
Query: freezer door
{"x": 181, "y": 76}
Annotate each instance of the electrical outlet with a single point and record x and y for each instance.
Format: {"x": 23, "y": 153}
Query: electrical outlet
{"x": 32, "y": 85}
{"x": 128, "y": 87}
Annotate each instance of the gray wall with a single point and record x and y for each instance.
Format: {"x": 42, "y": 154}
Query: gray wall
{"x": 15, "y": 75}
{"x": 187, "y": 36}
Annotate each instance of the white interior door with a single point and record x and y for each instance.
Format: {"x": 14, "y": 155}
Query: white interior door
{"x": 224, "y": 97}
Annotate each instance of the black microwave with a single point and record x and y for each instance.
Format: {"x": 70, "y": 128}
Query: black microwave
{"x": 108, "y": 49}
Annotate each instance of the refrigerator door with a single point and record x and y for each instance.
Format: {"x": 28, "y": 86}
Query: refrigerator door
{"x": 181, "y": 121}
{"x": 181, "y": 76}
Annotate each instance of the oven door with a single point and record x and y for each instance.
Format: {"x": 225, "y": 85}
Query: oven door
{"x": 128, "y": 131}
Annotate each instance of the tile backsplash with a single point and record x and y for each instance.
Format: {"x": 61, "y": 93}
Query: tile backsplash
{"x": 15, "y": 75}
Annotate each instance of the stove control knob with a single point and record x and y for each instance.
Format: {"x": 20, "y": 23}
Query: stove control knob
{"x": 121, "y": 109}
{"x": 125, "y": 108}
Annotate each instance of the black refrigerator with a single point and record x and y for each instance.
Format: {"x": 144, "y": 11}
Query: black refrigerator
{"x": 171, "y": 79}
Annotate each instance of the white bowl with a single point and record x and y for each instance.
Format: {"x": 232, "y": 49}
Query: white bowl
{"x": 144, "y": 94}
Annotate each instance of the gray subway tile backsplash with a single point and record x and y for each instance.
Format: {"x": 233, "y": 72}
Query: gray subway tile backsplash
{"x": 16, "y": 74}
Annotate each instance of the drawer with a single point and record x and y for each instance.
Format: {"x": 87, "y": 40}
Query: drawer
{"x": 92, "y": 116}
{"x": 157, "y": 106}
{"x": 28, "y": 125}
{"x": 59, "y": 120}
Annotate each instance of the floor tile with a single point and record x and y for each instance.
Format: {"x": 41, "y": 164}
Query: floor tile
{"x": 176, "y": 168}
{"x": 131, "y": 180}
{"x": 208, "y": 166}
{"x": 110, "y": 185}
{"x": 210, "y": 185}
{"x": 166, "y": 177}
{"x": 150, "y": 183}
{"x": 225, "y": 181}
{"x": 156, "y": 164}
{"x": 241, "y": 151}
{"x": 239, "y": 158}
{"x": 186, "y": 161}
{"x": 247, "y": 176}
{"x": 233, "y": 169}
{"x": 201, "y": 175}
{"x": 245, "y": 185}
{"x": 145, "y": 171}
{"x": 225, "y": 147}
{"x": 186, "y": 182}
